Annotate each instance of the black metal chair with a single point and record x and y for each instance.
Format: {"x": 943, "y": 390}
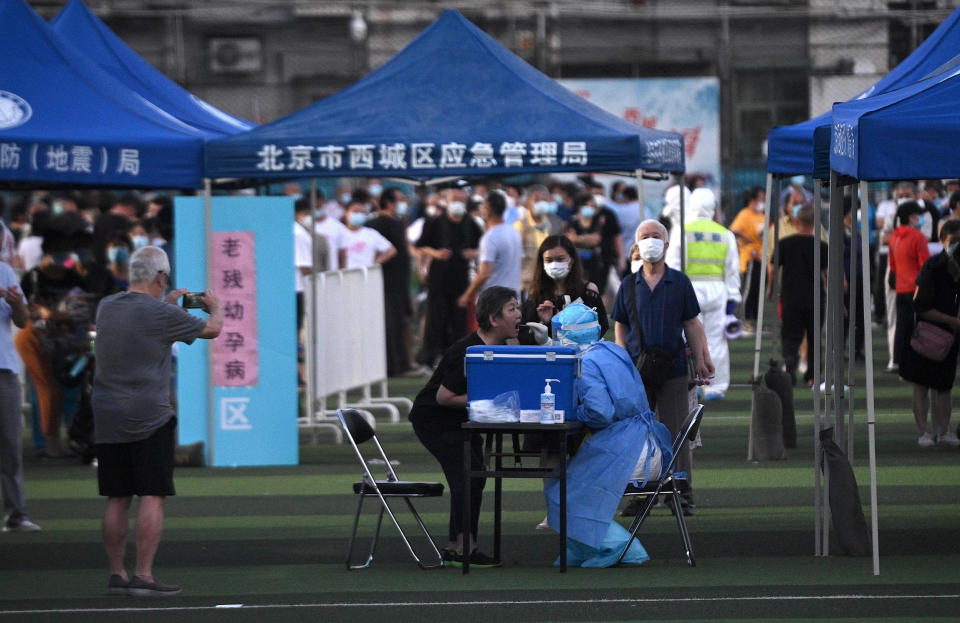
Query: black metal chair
{"x": 667, "y": 487}
{"x": 358, "y": 431}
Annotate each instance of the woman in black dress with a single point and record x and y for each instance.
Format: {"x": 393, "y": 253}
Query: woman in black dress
{"x": 936, "y": 300}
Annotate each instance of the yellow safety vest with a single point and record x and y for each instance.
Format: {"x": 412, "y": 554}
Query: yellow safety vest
{"x": 706, "y": 250}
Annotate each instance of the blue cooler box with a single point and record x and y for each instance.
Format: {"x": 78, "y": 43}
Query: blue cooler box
{"x": 493, "y": 370}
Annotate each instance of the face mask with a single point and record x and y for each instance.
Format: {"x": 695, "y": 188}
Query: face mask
{"x": 296, "y": 197}
{"x": 457, "y": 209}
{"x": 760, "y": 206}
{"x": 345, "y": 198}
{"x": 651, "y": 249}
{"x": 375, "y": 190}
{"x": 903, "y": 200}
{"x": 636, "y": 265}
{"x": 357, "y": 219}
{"x": 432, "y": 211}
{"x": 139, "y": 242}
{"x": 796, "y": 209}
{"x": 320, "y": 214}
{"x": 797, "y": 180}
{"x": 558, "y": 199}
{"x": 541, "y": 207}
{"x": 556, "y": 270}
{"x": 306, "y": 220}
{"x": 118, "y": 255}
{"x": 58, "y": 207}
{"x": 588, "y": 211}
{"x": 402, "y": 208}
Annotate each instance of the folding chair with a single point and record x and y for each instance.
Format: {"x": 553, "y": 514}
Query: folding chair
{"x": 358, "y": 431}
{"x": 667, "y": 486}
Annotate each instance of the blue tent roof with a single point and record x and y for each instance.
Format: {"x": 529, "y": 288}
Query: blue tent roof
{"x": 77, "y": 24}
{"x": 909, "y": 133}
{"x": 63, "y": 120}
{"x": 453, "y": 102}
{"x": 790, "y": 148}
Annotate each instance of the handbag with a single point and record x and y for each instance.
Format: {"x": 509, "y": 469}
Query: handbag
{"x": 931, "y": 341}
{"x": 654, "y": 364}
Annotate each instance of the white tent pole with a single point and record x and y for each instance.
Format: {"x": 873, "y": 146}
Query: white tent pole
{"x": 683, "y": 224}
{"x": 817, "y": 269}
{"x": 208, "y": 253}
{"x": 639, "y": 175}
{"x": 834, "y": 348}
{"x": 871, "y": 415}
{"x": 760, "y": 300}
{"x": 311, "y": 401}
{"x": 852, "y": 319}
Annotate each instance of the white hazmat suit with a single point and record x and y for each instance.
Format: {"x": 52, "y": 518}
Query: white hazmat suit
{"x": 715, "y": 275}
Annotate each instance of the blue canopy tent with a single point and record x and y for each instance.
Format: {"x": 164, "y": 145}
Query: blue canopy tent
{"x": 902, "y": 134}
{"x": 64, "y": 121}
{"x": 77, "y": 24}
{"x": 453, "y": 102}
{"x": 792, "y": 150}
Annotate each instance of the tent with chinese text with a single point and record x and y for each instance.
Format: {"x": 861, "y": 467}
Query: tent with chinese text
{"x": 452, "y": 102}
{"x": 64, "y": 121}
{"x": 77, "y": 24}
{"x": 790, "y": 148}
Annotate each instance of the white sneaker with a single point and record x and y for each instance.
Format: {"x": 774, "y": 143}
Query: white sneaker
{"x": 801, "y": 367}
{"x": 23, "y": 525}
{"x": 949, "y": 438}
{"x": 926, "y": 440}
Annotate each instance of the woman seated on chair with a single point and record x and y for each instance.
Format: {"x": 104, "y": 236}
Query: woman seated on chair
{"x": 613, "y": 405}
{"x": 441, "y": 407}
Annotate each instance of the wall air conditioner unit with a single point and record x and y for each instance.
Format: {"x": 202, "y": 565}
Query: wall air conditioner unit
{"x": 234, "y": 55}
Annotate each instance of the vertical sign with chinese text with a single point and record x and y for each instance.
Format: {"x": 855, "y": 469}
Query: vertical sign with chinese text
{"x": 240, "y": 398}
{"x": 235, "y": 361}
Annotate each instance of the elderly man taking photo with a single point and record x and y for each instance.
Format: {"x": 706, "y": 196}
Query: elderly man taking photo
{"x": 133, "y": 418}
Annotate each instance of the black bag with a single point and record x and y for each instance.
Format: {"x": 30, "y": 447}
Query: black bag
{"x": 849, "y": 524}
{"x": 779, "y": 381}
{"x": 767, "y": 414}
{"x": 654, "y": 364}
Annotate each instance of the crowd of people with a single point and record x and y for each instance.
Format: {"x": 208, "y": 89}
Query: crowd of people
{"x": 546, "y": 245}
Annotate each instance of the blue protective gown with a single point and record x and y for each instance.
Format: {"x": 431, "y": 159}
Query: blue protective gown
{"x": 613, "y": 404}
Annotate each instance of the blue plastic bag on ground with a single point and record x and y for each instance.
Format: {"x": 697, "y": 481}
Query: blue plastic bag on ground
{"x": 580, "y": 555}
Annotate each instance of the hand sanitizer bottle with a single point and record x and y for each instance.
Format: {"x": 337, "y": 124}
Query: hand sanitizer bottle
{"x": 547, "y": 403}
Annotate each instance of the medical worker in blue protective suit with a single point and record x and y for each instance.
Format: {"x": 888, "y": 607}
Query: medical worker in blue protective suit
{"x": 613, "y": 405}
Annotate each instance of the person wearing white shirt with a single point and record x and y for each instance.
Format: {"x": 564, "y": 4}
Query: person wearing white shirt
{"x": 336, "y": 235}
{"x": 13, "y": 307}
{"x": 365, "y": 246}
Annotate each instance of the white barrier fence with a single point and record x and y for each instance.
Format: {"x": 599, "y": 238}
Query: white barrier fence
{"x": 346, "y": 348}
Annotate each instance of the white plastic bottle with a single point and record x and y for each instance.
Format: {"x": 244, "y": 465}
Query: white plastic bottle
{"x": 547, "y": 402}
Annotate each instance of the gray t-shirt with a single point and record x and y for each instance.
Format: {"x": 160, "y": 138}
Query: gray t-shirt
{"x": 131, "y": 385}
{"x": 502, "y": 246}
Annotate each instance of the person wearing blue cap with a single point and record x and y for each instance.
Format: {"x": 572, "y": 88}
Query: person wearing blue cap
{"x": 625, "y": 444}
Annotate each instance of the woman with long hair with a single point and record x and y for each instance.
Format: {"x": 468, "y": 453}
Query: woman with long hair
{"x": 558, "y": 280}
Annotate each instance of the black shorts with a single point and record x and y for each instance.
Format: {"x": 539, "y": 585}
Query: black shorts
{"x": 142, "y": 467}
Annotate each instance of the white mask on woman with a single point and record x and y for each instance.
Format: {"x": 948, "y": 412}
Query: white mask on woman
{"x": 635, "y": 266}
{"x": 651, "y": 249}
{"x": 556, "y": 270}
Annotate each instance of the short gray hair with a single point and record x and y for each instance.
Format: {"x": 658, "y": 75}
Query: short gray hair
{"x": 660, "y": 226}
{"x": 146, "y": 263}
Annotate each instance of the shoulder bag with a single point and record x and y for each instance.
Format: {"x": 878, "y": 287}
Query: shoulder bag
{"x": 654, "y": 364}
